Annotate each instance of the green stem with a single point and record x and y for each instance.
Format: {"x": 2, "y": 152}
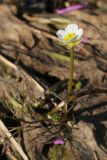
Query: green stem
{"x": 70, "y": 84}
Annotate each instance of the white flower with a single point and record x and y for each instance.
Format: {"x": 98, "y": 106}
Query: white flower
{"x": 70, "y": 36}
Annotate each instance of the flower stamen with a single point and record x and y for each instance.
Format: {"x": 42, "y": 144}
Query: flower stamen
{"x": 69, "y": 36}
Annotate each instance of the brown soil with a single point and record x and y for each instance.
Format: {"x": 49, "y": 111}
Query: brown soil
{"x": 33, "y": 66}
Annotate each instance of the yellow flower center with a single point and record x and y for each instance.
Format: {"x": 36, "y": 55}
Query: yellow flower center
{"x": 69, "y": 36}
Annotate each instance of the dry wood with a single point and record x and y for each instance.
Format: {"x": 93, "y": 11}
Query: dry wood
{"x": 16, "y": 146}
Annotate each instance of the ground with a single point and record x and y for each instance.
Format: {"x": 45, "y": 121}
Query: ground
{"x": 34, "y": 73}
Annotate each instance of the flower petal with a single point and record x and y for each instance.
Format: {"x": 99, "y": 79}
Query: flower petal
{"x": 61, "y": 34}
{"x": 79, "y": 33}
{"x": 71, "y": 28}
{"x": 58, "y": 141}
